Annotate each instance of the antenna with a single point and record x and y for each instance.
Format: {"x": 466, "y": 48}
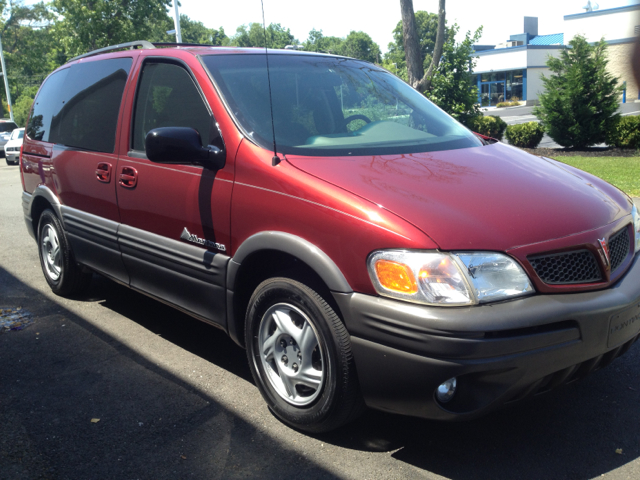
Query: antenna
{"x": 275, "y": 160}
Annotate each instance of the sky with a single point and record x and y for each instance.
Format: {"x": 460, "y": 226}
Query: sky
{"x": 378, "y": 18}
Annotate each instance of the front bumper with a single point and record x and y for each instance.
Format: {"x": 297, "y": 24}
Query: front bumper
{"x": 499, "y": 353}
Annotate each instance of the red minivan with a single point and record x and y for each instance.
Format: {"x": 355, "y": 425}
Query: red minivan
{"x": 363, "y": 246}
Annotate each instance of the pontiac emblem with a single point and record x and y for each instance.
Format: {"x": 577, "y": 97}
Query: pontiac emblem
{"x": 604, "y": 252}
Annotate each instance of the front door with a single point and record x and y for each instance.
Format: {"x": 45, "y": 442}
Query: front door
{"x": 496, "y": 93}
{"x": 175, "y": 218}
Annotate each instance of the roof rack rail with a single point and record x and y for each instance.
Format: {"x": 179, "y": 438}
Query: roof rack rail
{"x": 176, "y": 44}
{"x": 132, "y": 45}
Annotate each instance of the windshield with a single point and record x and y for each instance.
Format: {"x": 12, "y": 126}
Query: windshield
{"x": 327, "y": 106}
{"x": 17, "y": 134}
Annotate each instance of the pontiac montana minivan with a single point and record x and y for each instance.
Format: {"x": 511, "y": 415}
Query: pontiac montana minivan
{"x": 364, "y": 247}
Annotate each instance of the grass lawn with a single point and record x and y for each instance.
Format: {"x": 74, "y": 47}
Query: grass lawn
{"x": 623, "y": 172}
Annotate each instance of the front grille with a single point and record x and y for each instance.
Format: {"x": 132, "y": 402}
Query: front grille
{"x": 578, "y": 266}
{"x": 12, "y": 149}
{"x": 619, "y": 248}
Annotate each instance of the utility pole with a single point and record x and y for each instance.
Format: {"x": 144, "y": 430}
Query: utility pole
{"x": 6, "y": 81}
{"x": 177, "y": 22}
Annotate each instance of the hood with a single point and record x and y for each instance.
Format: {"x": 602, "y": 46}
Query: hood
{"x": 494, "y": 197}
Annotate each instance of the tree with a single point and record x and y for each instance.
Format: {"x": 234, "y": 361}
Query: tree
{"x": 360, "y": 45}
{"x": 357, "y": 45}
{"x": 29, "y": 50}
{"x": 191, "y": 30}
{"x": 579, "y": 103}
{"x": 23, "y": 104}
{"x": 253, "y": 36}
{"x": 415, "y": 71}
{"x": 452, "y": 87}
{"x": 317, "y": 42}
{"x": 85, "y": 25}
{"x": 426, "y": 29}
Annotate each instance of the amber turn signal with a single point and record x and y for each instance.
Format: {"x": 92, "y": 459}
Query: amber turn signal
{"x": 396, "y": 276}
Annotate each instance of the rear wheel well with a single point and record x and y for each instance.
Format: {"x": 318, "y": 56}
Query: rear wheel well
{"x": 40, "y": 204}
{"x": 262, "y": 265}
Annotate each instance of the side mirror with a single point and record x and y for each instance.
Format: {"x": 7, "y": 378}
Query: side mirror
{"x": 182, "y": 145}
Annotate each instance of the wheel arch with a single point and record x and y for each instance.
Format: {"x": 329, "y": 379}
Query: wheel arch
{"x": 43, "y": 198}
{"x": 270, "y": 254}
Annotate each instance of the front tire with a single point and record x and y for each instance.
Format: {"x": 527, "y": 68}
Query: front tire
{"x": 300, "y": 356}
{"x": 63, "y": 274}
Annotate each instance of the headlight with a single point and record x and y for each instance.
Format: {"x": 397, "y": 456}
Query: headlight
{"x": 636, "y": 227}
{"x": 451, "y": 279}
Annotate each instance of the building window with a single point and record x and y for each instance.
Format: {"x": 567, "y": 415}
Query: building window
{"x": 496, "y": 87}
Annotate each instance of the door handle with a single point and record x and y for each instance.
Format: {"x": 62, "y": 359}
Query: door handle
{"x": 128, "y": 177}
{"x": 103, "y": 172}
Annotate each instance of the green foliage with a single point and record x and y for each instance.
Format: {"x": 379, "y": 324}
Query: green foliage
{"x": 427, "y": 29}
{"x": 625, "y": 133}
{"x": 525, "y": 135}
{"x": 356, "y": 44}
{"x": 507, "y": 104}
{"x": 360, "y": 45}
{"x": 29, "y": 50}
{"x": 490, "y": 126}
{"x": 253, "y": 35}
{"x": 452, "y": 87}
{"x": 191, "y": 31}
{"x": 578, "y": 106}
{"x": 317, "y": 42}
{"x": 85, "y": 25}
{"x": 22, "y": 106}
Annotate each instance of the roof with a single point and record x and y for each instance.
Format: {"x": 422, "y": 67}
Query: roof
{"x": 553, "y": 39}
{"x": 606, "y": 11}
{"x": 194, "y": 49}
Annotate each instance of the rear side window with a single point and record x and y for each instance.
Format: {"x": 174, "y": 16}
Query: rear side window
{"x": 7, "y": 126}
{"x": 168, "y": 97}
{"x": 78, "y": 106}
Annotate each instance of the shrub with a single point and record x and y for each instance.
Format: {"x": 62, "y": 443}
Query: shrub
{"x": 507, "y": 104}
{"x": 525, "y": 135}
{"x": 625, "y": 133}
{"x": 490, "y": 126}
{"x": 579, "y": 103}
{"x": 21, "y": 110}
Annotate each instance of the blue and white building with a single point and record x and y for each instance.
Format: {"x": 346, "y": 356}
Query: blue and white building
{"x": 512, "y": 71}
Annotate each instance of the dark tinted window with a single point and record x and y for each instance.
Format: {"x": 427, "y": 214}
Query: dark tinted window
{"x": 168, "y": 97}
{"x": 7, "y": 126}
{"x": 79, "y": 106}
{"x": 47, "y": 103}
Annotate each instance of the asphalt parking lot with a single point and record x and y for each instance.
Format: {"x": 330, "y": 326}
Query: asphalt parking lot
{"x": 113, "y": 385}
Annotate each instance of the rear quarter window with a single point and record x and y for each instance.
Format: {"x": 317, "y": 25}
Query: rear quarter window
{"x": 78, "y": 106}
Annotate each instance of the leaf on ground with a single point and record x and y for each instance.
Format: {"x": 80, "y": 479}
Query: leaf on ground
{"x": 95, "y": 420}
{"x": 619, "y": 451}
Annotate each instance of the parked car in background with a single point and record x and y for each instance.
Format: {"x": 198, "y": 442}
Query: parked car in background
{"x": 6, "y": 127}
{"x": 12, "y": 147}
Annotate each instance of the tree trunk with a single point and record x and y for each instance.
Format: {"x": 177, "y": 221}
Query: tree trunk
{"x": 417, "y": 78}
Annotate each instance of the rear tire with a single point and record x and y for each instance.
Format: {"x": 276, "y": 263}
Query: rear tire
{"x": 63, "y": 274}
{"x": 300, "y": 356}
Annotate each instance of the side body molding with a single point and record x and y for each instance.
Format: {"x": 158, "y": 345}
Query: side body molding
{"x": 28, "y": 201}
{"x": 293, "y": 245}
